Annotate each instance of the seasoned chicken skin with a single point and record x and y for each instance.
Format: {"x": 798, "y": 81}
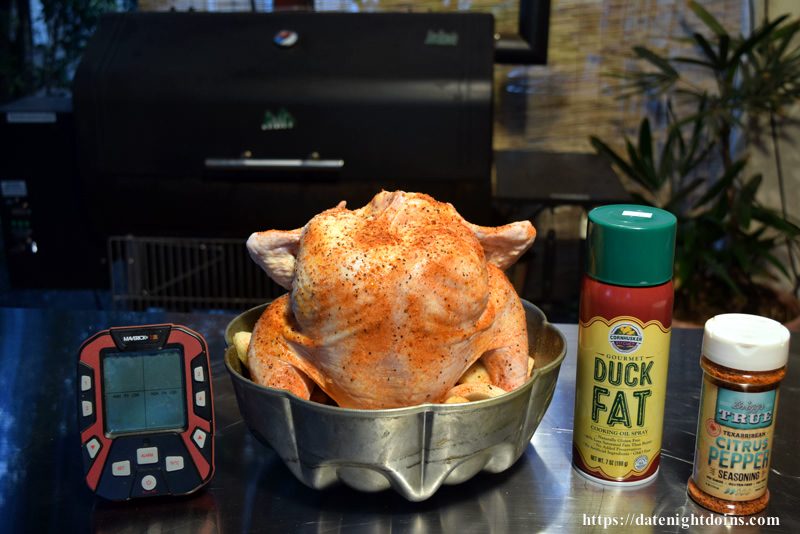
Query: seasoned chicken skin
{"x": 389, "y": 304}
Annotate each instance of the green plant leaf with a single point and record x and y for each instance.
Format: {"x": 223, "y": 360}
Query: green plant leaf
{"x": 756, "y": 38}
{"x": 746, "y": 198}
{"x": 692, "y": 158}
{"x": 784, "y": 35}
{"x": 774, "y": 220}
{"x": 708, "y": 19}
{"x": 720, "y": 210}
{"x": 604, "y": 150}
{"x": 698, "y": 158}
{"x": 661, "y": 63}
{"x": 646, "y": 144}
{"x": 700, "y": 115}
{"x": 724, "y": 44}
{"x": 643, "y": 82}
{"x": 693, "y": 61}
{"x": 742, "y": 257}
{"x": 666, "y": 162}
{"x": 751, "y": 76}
{"x": 785, "y": 32}
{"x": 704, "y": 45}
{"x": 777, "y": 263}
{"x": 682, "y": 194}
{"x": 758, "y": 233}
{"x": 722, "y": 184}
{"x": 688, "y": 94}
{"x": 719, "y": 270}
{"x": 643, "y": 167}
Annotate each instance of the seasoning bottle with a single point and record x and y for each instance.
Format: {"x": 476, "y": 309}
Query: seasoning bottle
{"x": 743, "y": 360}
{"x": 623, "y": 344}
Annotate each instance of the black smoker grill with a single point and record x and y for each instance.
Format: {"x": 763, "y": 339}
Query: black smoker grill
{"x": 213, "y": 125}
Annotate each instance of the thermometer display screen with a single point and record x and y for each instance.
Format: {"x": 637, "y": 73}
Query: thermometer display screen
{"x": 143, "y": 391}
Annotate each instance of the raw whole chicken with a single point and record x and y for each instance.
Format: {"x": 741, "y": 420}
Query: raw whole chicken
{"x": 389, "y": 304}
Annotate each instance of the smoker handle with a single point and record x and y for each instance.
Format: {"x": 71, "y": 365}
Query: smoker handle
{"x": 286, "y": 164}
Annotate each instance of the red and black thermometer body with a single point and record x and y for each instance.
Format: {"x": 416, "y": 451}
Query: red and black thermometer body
{"x": 145, "y": 412}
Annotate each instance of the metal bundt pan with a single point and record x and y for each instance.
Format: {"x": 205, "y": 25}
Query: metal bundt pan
{"x": 413, "y": 450}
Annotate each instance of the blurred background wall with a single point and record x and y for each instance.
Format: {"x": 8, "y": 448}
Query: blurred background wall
{"x": 554, "y": 107}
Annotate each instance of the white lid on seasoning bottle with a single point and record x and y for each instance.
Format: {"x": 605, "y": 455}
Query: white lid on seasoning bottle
{"x": 746, "y": 342}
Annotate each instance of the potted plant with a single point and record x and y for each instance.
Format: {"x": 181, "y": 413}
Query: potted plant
{"x": 725, "y": 252}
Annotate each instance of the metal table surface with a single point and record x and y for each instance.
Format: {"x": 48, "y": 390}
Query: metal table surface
{"x": 42, "y": 490}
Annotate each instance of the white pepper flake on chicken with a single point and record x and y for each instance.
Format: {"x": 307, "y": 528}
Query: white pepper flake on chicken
{"x": 389, "y": 304}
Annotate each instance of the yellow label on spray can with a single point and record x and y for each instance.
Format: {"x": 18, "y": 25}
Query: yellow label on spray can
{"x": 619, "y": 401}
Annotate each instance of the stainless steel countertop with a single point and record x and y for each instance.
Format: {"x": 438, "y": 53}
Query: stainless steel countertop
{"x": 42, "y": 490}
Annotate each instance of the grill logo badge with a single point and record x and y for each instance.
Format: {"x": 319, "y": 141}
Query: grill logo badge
{"x": 441, "y": 38}
{"x": 285, "y": 38}
{"x": 280, "y": 120}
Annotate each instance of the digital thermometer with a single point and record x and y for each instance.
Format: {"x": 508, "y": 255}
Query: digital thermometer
{"x": 145, "y": 411}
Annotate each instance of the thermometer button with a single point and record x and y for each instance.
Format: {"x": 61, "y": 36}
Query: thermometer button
{"x": 147, "y": 455}
{"x": 199, "y": 438}
{"x": 92, "y": 447}
{"x": 86, "y": 382}
{"x": 149, "y": 482}
{"x": 121, "y": 469}
{"x": 200, "y": 398}
{"x": 86, "y": 408}
{"x": 174, "y": 463}
{"x": 198, "y": 374}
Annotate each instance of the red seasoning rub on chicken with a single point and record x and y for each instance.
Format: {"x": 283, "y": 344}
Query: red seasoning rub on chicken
{"x": 389, "y": 304}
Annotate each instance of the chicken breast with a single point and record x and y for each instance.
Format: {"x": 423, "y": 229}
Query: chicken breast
{"x": 389, "y": 304}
